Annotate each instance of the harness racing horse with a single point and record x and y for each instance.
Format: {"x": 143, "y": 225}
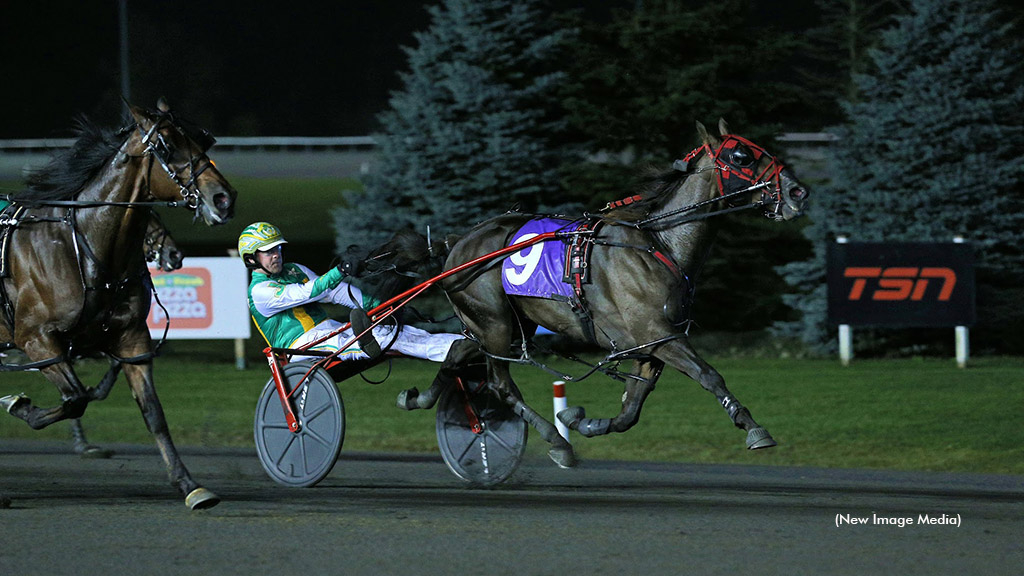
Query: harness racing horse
{"x": 160, "y": 248}
{"x": 77, "y": 281}
{"x": 644, "y": 254}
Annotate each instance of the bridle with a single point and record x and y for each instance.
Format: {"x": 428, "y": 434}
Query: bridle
{"x": 158, "y": 149}
{"x": 734, "y": 162}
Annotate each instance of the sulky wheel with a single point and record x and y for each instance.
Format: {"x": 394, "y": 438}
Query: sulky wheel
{"x": 302, "y": 458}
{"x": 481, "y": 440}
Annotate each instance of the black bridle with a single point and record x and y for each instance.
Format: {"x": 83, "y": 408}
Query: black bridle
{"x": 158, "y": 149}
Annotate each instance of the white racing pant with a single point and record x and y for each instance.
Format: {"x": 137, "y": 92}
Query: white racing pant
{"x": 411, "y": 341}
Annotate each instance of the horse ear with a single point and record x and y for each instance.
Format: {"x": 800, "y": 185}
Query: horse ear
{"x": 702, "y": 131}
{"x": 705, "y": 137}
{"x": 138, "y": 114}
{"x": 162, "y": 105}
{"x": 723, "y": 127}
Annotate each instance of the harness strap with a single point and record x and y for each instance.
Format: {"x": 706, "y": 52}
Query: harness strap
{"x": 664, "y": 259}
{"x": 623, "y": 202}
{"x": 577, "y": 273}
{"x": 9, "y": 220}
{"x": 31, "y": 365}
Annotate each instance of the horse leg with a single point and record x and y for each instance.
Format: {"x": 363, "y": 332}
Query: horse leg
{"x": 638, "y": 386}
{"x": 681, "y": 356}
{"x": 499, "y": 381}
{"x": 81, "y": 445}
{"x": 140, "y": 380}
{"x": 461, "y": 353}
{"x": 102, "y": 390}
{"x": 74, "y": 396}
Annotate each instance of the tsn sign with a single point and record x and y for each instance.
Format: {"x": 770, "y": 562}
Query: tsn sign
{"x": 901, "y": 284}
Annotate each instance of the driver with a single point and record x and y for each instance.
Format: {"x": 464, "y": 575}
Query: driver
{"x": 284, "y": 302}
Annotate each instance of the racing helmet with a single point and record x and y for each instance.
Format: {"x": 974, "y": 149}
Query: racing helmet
{"x": 258, "y": 236}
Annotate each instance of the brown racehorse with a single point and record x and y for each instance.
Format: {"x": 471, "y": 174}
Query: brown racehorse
{"x": 646, "y": 252}
{"x": 78, "y": 282}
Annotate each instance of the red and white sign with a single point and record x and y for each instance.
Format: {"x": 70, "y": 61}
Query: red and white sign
{"x": 206, "y": 299}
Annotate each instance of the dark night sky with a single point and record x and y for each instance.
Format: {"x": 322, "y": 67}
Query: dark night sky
{"x": 237, "y": 67}
{"x": 309, "y": 67}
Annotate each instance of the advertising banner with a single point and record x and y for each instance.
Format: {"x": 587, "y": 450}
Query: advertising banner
{"x": 205, "y": 299}
{"x": 909, "y": 284}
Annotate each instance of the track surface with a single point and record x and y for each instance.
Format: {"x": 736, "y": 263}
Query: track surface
{"x": 405, "y": 514}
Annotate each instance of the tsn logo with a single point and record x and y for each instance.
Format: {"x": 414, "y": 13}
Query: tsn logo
{"x": 899, "y": 283}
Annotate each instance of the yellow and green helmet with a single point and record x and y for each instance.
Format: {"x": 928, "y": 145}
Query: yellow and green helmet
{"x": 256, "y": 237}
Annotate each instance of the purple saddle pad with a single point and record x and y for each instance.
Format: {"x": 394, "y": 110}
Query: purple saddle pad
{"x": 537, "y": 270}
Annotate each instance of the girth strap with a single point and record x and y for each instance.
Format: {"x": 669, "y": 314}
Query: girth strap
{"x": 31, "y": 365}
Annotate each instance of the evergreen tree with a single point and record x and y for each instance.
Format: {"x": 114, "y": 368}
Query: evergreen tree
{"x": 931, "y": 150}
{"x": 469, "y": 133}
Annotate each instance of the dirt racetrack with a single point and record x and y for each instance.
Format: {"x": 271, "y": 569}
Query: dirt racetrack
{"x": 405, "y": 514}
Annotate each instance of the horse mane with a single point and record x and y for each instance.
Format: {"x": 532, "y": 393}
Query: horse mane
{"x": 654, "y": 186}
{"x": 70, "y": 170}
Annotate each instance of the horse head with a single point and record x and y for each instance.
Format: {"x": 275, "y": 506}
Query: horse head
{"x": 161, "y": 248}
{"x": 180, "y": 150}
{"x": 744, "y": 168}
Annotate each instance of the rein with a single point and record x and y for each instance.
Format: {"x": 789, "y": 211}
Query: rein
{"x": 653, "y": 222}
{"x": 91, "y": 203}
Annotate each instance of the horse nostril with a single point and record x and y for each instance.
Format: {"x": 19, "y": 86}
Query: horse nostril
{"x": 798, "y": 194}
{"x": 222, "y": 201}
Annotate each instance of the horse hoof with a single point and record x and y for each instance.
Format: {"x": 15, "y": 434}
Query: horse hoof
{"x": 11, "y": 401}
{"x": 407, "y": 399}
{"x": 571, "y": 415}
{"x": 564, "y": 457}
{"x": 759, "y": 438}
{"x": 95, "y": 453}
{"x": 201, "y": 499}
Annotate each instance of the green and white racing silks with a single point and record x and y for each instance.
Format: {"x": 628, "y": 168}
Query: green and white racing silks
{"x": 285, "y": 306}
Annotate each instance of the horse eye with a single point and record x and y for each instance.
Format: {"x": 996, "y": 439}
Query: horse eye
{"x": 741, "y": 157}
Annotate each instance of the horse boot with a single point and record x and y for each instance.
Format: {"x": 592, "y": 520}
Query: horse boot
{"x": 361, "y": 328}
{"x": 575, "y": 418}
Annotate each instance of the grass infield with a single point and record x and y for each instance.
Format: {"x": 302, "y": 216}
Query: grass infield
{"x": 909, "y": 414}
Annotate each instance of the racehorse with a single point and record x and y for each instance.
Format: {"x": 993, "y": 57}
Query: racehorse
{"x": 77, "y": 281}
{"x": 630, "y": 296}
{"x": 160, "y": 248}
